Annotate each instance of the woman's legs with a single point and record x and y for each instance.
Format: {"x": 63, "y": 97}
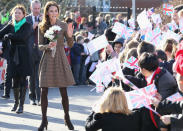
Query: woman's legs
{"x": 65, "y": 104}
{"x": 44, "y": 105}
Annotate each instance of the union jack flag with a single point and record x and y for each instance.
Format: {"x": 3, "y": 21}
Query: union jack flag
{"x": 99, "y": 87}
{"x": 181, "y": 25}
{"x": 131, "y": 23}
{"x": 150, "y": 12}
{"x": 145, "y": 31}
{"x": 128, "y": 33}
{"x": 2, "y": 70}
{"x": 141, "y": 97}
{"x": 175, "y": 97}
{"x": 172, "y": 26}
{"x": 132, "y": 63}
{"x": 154, "y": 36}
{"x": 168, "y": 9}
{"x": 119, "y": 28}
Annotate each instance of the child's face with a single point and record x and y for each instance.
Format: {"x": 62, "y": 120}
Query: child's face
{"x": 81, "y": 41}
{"x": 117, "y": 47}
{"x": 144, "y": 72}
{"x": 175, "y": 16}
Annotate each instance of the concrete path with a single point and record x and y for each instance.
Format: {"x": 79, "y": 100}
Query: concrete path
{"x": 81, "y": 100}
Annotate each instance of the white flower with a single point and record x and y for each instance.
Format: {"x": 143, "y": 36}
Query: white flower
{"x": 50, "y": 32}
{"x": 55, "y": 28}
{"x": 51, "y": 37}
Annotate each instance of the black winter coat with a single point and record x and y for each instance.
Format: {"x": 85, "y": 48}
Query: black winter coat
{"x": 165, "y": 83}
{"x": 176, "y": 108}
{"x": 166, "y": 86}
{"x": 114, "y": 122}
{"x": 20, "y": 53}
{"x": 168, "y": 65}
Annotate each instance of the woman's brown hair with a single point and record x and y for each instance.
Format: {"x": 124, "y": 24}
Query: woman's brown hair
{"x": 170, "y": 46}
{"x": 83, "y": 20}
{"x": 45, "y": 24}
{"x": 21, "y": 7}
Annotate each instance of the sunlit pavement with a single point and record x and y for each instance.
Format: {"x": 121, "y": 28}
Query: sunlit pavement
{"x": 81, "y": 99}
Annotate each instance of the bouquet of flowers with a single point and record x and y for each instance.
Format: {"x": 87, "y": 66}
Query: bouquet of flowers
{"x": 52, "y": 35}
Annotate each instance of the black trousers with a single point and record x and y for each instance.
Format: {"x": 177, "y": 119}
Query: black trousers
{"x": 19, "y": 82}
{"x": 8, "y": 80}
{"x": 34, "y": 90}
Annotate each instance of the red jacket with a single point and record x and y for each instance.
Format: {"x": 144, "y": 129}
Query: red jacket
{"x": 179, "y": 60}
{"x": 67, "y": 52}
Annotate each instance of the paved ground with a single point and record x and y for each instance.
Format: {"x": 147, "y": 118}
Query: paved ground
{"x": 81, "y": 100}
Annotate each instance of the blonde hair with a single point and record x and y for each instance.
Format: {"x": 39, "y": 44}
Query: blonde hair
{"x": 180, "y": 13}
{"x": 114, "y": 101}
{"x": 107, "y": 17}
{"x": 90, "y": 18}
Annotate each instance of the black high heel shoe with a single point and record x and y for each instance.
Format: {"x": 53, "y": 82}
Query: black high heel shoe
{"x": 68, "y": 123}
{"x": 44, "y": 125}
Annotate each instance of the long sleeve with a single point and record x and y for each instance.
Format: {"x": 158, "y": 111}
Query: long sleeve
{"x": 77, "y": 50}
{"x": 25, "y": 33}
{"x": 167, "y": 106}
{"x": 92, "y": 124}
{"x": 4, "y": 31}
{"x": 165, "y": 83}
{"x": 42, "y": 45}
{"x": 69, "y": 39}
{"x": 177, "y": 121}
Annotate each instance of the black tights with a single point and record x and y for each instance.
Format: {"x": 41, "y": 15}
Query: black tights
{"x": 44, "y": 101}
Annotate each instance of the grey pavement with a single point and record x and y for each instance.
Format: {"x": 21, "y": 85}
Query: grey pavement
{"x": 81, "y": 101}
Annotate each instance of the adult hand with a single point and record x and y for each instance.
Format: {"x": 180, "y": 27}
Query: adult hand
{"x": 155, "y": 102}
{"x": 166, "y": 119}
{"x": 109, "y": 49}
{"x": 41, "y": 17}
{"x": 70, "y": 30}
{"x": 158, "y": 96}
{"x": 52, "y": 44}
{"x": 35, "y": 25}
{"x": 1, "y": 52}
{"x": 82, "y": 53}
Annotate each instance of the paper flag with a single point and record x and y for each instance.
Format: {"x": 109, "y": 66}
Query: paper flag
{"x": 97, "y": 44}
{"x": 143, "y": 20}
{"x": 156, "y": 18}
{"x": 168, "y": 9}
{"x": 119, "y": 28}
